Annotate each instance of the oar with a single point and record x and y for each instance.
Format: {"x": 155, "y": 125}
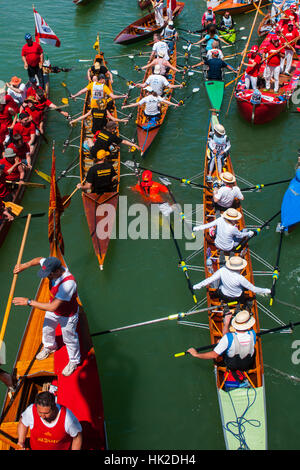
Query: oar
{"x": 290, "y": 325}
{"x": 67, "y": 89}
{"x": 71, "y": 195}
{"x": 67, "y": 141}
{"x": 16, "y": 209}
{"x": 43, "y": 175}
{"x": 276, "y": 271}
{"x": 115, "y": 72}
{"x": 195, "y": 90}
{"x": 176, "y": 316}
{"x": 64, "y": 172}
{"x": 261, "y": 186}
{"x": 11, "y": 293}
{"x": 256, "y": 232}
{"x": 255, "y": 9}
{"x": 27, "y": 183}
{"x": 37, "y": 214}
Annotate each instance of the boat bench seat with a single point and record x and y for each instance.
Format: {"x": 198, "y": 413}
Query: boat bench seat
{"x": 10, "y": 428}
{"x": 44, "y": 367}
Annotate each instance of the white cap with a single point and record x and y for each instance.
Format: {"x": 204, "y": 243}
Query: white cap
{"x": 149, "y": 88}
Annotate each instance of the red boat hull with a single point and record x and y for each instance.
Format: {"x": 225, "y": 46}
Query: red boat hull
{"x": 260, "y": 114}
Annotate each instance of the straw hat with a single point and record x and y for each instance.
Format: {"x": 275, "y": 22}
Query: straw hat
{"x": 236, "y": 263}
{"x": 15, "y": 81}
{"x": 227, "y": 177}
{"x": 243, "y": 321}
{"x": 219, "y": 129}
{"x": 231, "y": 214}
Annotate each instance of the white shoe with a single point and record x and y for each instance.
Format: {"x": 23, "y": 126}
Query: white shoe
{"x": 44, "y": 353}
{"x": 69, "y": 369}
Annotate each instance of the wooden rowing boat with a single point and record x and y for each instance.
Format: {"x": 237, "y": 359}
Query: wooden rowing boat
{"x": 144, "y": 27}
{"x": 238, "y": 406}
{"x": 80, "y": 392}
{"x": 92, "y": 202}
{"x": 144, "y": 4}
{"x": 236, "y": 8}
{"x": 272, "y": 104}
{"x": 265, "y": 26}
{"x": 146, "y": 131}
{"x": 19, "y": 193}
{"x": 214, "y": 88}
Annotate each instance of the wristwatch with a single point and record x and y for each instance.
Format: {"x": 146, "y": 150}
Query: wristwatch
{"x": 29, "y": 302}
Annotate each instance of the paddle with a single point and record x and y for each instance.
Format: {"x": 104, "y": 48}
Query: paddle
{"x": 38, "y": 214}
{"x": 26, "y": 183}
{"x": 261, "y": 186}
{"x": 276, "y": 271}
{"x": 182, "y": 102}
{"x": 15, "y": 208}
{"x": 256, "y": 232}
{"x": 67, "y": 141}
{"x": 290, "y": 325}
{"x": 129, "y": 82}
{"x": 72, "y": 194}
{"x": 67, "y": 89}
{"x": 11, "y": 293}
{"x": 43, "y": 175}
{"x": 176, "y": 316}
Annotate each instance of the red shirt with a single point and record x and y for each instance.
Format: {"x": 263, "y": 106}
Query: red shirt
{"x": 36, "y": 114}
{"x": 31, "y": 91}
{"x": 32, "y": 53}
{"x": 6, "y": 116}
{"x": 3, "y": 132}
{"x": 14, "y": 175}
{"x": 292, "y": 13}
{"x": 43, "y": 104}
{"x": 25, "y": 131}
{"x": 44, "y": 438}
{"x": 253, "y": 71}
{"x": 22, "y": 151}
{"x": 289, "y": 36}
{"x": 273, "y": 61}
{"x": 3, "y": 187}
{"x": 66, "y": 309}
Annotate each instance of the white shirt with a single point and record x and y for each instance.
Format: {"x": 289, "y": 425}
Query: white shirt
{"x": 152, "y": 104}
{"x": 157, "y": 83}
{"x": 161, "y": 46}
{"x": 18, "y": 97}
{"x": 209, "y": 54}
{"x": 244, "y": 338}
{"x": 72, "y": 425}
{"x": 226, "y": 233}
{"x": 226, "y": 195}
{"x": 232, "y": 283}
{"x": 67, "y": 289}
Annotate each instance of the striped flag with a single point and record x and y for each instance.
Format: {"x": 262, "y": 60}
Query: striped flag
{"x": 43, "y": 32}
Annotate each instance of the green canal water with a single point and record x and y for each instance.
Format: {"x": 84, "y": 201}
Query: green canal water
{"x": 151, "y": 400}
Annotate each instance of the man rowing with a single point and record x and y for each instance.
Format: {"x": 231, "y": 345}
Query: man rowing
{"x": 226, "y": 22}
{"x": 26, "y": 128}
{"x": 157, "y": 82}
{"x": 225, "y": 195}
{"x": 98, "y": 90}
{"x": 215, "y": 48}
{"x": 21, "y": 149}
{"x": 253, "y": 67}
{"x": 164, "y": 65}
{"x": 228, "y": 235}
{"x": 215, "y": 66}
{"x": 62, "y": 309}
{"x": 101, "y": 177}
{"x": 236, "y": 347}
{"x": 170, "y": 36}
{"x": 158, "y": 46}
{"x": 13, "y": 168}
{"x": 218, "y": 148}
{"x": 232, "y": 282}
{"x": 108, "y": 140}
{"x": 272, "y": 54}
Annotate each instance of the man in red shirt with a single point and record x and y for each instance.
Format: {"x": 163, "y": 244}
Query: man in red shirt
{"x": 253, "y": 67}
{"x": 25, "y": 127}
{"x": 289, "y": 33}
{"x": 5, "y": 194}
{"x": 13, "y": 169}
{"x": 44, "y": 103}
{"x": 33, "y": 58}
{"x": 8, "y": 116}
{"x": 273, "y": 56}
{"x": 21, "y": 149}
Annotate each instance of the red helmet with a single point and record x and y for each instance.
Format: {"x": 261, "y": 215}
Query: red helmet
{"x": 254, "y": 49}
{"x": 147, "y": 175}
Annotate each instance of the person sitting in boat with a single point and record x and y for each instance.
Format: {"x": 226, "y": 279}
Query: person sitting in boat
{"x": 158, "y": 7}
{"x": 5, "y": 193}
{"x": 150, "y": 189}
{"x": 226, "y": 22}
{"x": 21, "y": 149}
{"x": 218, "y": 148}
{"x": 232, "y": 282}
{"x": 17, "y": 90}
{"x": 13, "y": 168}
{"x": 52, "y": 426}
{"x": 26, "y": 128}
{"x": 225, "y": 195}
{"x": 159, "y": 45}
{"x": 228, "y": 236}
{"x": 32, "y": 87}
{"x": 101, "y": 177}
{"x": 289, "y": 33}
{"x": 100, "y": 115}
{"x": 8, "y": 117}
{"x": 98, "y": 90}
{"x": 42, "y": 105}
{"x": 210, "y": 37}
{"x": 33, "y": 58}
{"x": 236, "y": 347}
{"x": 253, "y": 68}
{"x": 215, "y": 66}
{"x": 170, "y": 35}
{"x": 273, "y": 53}
{"x": 215, "y": 48}
{"x": 164, "y": 64}
{"x": 62, "y": 309}
{"x": 152, "y": 104}
{"x": 208, "y": 18}
{"x": 157, "y": 82}
{"x": 36, "y": 113}
{"x": 99, "y": 69}
{"x": 107, "y": 139}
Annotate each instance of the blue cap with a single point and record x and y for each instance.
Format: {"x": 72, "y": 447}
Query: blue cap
{"x": 50, "y": 265}
{"x": 28, "y": 36}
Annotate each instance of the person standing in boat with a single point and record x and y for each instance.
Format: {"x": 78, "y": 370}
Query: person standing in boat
{"x": 62, "y": 309}
{"x": 158, "y": 7}
{"x": 52, "y": 426}
{"x": 226, "y": 22}
{"x": 272, "y": 54}
{"x": 236, "y": 347}
{"x": 218, "y": 148}
{"x": 33, "y": 58}
{"x": 289, "y": 33}
{"x": 157, "y": 82}
{"x": 215, "y": 65}
{"x": 224, "y": 196}
{"x": 253, "y": 67}
{"x": 208, "y": 18}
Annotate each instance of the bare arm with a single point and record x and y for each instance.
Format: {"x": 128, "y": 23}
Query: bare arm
{"x": 81, "y": 118}
{"x": 22, "y": 433}
{"x": 77, "y": 442}
{"x": 21, "y": 267}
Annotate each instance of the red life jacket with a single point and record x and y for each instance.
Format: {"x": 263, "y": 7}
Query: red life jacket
{"x": 44, "y": 438}
{"x": 67, "y": 308}
{"x": 151, "y": 190}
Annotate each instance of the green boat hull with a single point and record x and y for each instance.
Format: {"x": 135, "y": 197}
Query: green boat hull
{"x": 215, "y": 92}
{"x": 229, "y": 36}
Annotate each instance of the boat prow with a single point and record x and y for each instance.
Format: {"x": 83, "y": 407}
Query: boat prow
{"x": 237, "y": 8}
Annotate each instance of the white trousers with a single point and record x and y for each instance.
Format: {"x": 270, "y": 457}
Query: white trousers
{"x": 288, "y": 58}
{"x": 272, "y": 72}
{"x": 159, "y": 15}
{"x": 250, "y": 80}
{"x": 69, "y": 334}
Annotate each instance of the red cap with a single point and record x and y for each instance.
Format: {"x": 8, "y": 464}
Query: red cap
{"x": 254, "y": 49}
{"x": 147, "y": 175}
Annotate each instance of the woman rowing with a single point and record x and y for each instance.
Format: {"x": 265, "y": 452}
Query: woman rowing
{"x": 210, "y": 37}
{"x": 164, "y": 64}
{"x": 224, "y": 196}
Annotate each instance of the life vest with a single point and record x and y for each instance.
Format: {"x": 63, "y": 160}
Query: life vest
{"x": 151, "y": 190}
{"x": 66, "y": 309}
{"x": 97, "y": 91}
{"x": 43, "y": 437}
{"x": 208, "y": 16}
{"x": 243, "y": 359}
{"x": 227, "y": 21}
{"x": 219, "y": 143}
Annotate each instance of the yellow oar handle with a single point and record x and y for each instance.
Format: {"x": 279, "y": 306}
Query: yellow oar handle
{"x": 180, "y": 354}
{"x": 72, "y": 194}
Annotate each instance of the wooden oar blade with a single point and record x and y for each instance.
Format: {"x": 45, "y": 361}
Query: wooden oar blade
{"x": 2, "y": 353}
{"x": 43, "y": 175}
{"x": 15, "y": 208}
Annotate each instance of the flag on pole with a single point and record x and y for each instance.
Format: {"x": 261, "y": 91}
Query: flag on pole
{"x": 55, "y": 210}
{"x": 43, "y": 32}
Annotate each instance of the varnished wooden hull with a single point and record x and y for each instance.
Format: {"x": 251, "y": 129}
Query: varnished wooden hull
{"x": 236, "y": 8}
{"x": 144, "y": 4}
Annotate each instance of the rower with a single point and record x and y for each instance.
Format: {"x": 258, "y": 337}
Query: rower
{"x": 157, "y": 82}
{"x": 152, "y": 102}
{"x": 25, "y": 127}
{"x": 253, "y": 67}
{"x": 98, "y": 68}
{"x": 33, "y": 58}
{"x": 228, "y": 236}
{"x": 236, "y": 347}
{"x": 5, "y": 194}
{"x": 273, "y": 56}
{"x": 17, "y": 90}
{"x": 289, "y": 32}
{"x": 13, "y": 168}
{"x": 218, "y": 148}
{"x": 98, "y": 90}
{"x": 215, "y": 48}
{"x": 108, "y": 140}
{"x": 210, "y": 37}
{"x": 215, "y": 66}
{"x": 226, "y": 22}
{"x": 52, "y": 426}
{"x": 21, "y": 149}
{"x": 164, "y": 64}
{"x": 8, "y": 117}
{"x": 150, "y": 189}
{"x": 43, "y": 103}
{"x": 101, "y": 177}
{"x": 158, "y": 7}
{"x": 170, "y": 35}
{"x": 32, "y": 87}
{"x": 208, "y": 18}
{"x": 232, "y": 282}
{"x": 4, "y": 215}
{"x": 225, "y": 195}
{"x": 62, "y": 309}
{"x": 100, "y": 115}
{"x": 159, "y": 45}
